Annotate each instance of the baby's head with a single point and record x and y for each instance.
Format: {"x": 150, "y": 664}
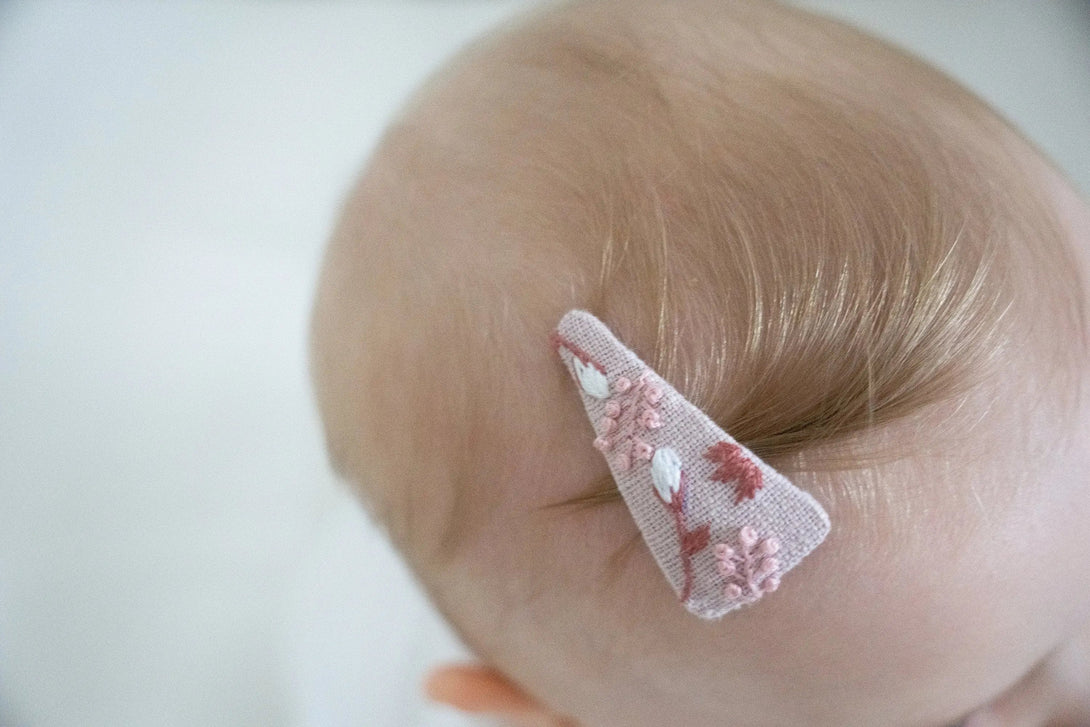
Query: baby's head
{"x": 852, "y": 265}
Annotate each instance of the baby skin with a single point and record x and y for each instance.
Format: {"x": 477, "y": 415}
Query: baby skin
{"x": 850, "y": 263}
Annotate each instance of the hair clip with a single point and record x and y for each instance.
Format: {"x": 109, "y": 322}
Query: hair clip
{"x": 723, "y": 526}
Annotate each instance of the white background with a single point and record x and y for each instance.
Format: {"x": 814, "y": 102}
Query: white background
{"x": 173, "y": 550}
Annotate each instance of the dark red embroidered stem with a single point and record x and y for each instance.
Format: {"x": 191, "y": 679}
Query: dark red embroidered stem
{"x": 690, "y": 542}
{"x": 686, "y": 559}
{"x": 557, "y": 340}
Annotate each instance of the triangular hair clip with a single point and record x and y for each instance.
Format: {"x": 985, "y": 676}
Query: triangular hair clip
{"x": 723, "y": 526}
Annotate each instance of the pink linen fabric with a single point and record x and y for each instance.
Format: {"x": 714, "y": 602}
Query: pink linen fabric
{"x": 722, "y": 525}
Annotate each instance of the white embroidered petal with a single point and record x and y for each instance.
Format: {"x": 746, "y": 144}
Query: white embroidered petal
{"x": 591, "y": 379}
{"x": 666, "y": 472}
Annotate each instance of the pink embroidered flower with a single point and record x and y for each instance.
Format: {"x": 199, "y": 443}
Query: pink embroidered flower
{"x": 627, "y": 414}
{"x": 653, "y": 394}
{"x": 650, "y": 418}
{"x": 752, "y": 571}
{"x": 622, "y": 461}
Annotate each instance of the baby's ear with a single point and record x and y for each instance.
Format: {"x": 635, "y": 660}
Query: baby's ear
{"x": 482, "y": 690}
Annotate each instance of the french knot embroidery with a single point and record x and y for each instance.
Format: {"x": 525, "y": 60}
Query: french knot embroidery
{"x": 723, "y": 526}
{"x": 751, "y": 570}
{"x": 631, "y": 410}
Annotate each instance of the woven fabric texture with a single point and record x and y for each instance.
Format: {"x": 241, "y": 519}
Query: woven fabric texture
{"x": 721, "y": 541}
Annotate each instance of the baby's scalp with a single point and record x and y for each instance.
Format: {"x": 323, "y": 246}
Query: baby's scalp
{"x": 834, "y": 251}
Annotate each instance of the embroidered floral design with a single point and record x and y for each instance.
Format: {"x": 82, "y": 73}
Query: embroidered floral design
{"x": 592, "y": 380}
{"x": 668, "y": 478}
{"x": 591, "y": 374}
{"x": 751, "y": 571}
{"x": 666, "y": 473}
{"x": 735, "y": 466}
{"x": 628, "y": 413}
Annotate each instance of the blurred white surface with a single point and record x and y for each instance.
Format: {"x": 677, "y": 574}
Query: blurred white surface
{"x": 173, "y": 550}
